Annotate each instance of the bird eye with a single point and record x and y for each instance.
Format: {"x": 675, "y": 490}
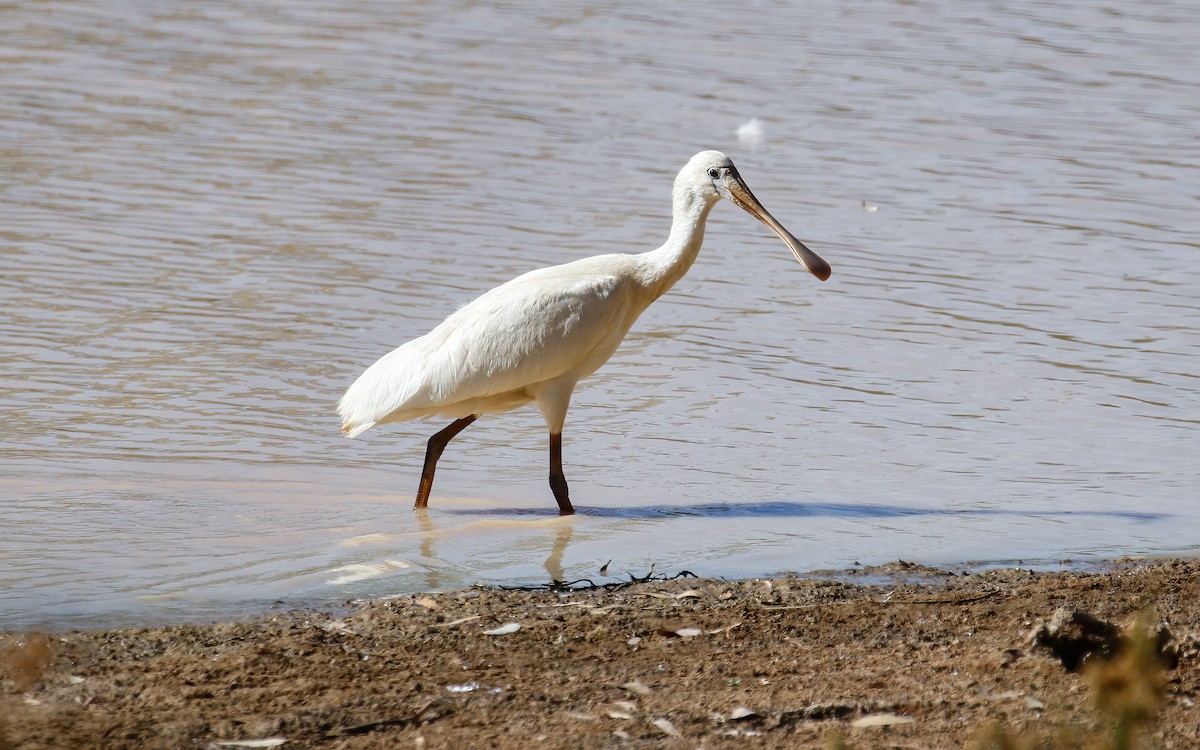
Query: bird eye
{"x": 714, "y": 173}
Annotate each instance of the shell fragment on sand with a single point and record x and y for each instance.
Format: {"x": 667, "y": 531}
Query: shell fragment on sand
{"x": 507, "y": 628}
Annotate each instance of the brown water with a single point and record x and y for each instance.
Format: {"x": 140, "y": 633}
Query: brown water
{"x": 214, "y": 215}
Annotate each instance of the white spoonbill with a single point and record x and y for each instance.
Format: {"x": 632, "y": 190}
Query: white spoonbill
{"x": 535, "y": 337}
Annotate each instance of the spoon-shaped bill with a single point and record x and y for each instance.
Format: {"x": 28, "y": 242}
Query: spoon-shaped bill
{"x": 741, "y": 195}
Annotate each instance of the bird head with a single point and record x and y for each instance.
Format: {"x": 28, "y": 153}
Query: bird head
{"x": 713, "y": 175}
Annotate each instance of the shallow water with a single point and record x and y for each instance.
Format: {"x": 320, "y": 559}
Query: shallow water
{"x": 215, "y": 215}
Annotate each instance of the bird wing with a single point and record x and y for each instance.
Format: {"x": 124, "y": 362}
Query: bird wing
{"x": 535, "y": 328}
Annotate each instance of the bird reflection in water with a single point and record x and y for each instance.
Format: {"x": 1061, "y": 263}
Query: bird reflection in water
{"x": 436, "y": 575}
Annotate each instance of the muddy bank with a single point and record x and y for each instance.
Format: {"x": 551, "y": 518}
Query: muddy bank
{"x": 914, "y": 658}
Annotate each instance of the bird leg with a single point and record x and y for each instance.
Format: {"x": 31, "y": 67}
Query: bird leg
{"x": 558, "y": 483}
{"x": 433, "y": 451}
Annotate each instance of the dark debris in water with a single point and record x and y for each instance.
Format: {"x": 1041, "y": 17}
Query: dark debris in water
{"x": 587, "y": 584}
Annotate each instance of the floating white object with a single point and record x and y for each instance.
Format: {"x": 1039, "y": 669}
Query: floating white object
{"x": 750, "y": 131}
{"x": 364, "y": 571}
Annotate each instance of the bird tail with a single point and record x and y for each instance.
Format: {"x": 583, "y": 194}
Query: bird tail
{"x": 351, "y": 430}
{"x": 383, "y": 389}
{"x": 354, "y": 421}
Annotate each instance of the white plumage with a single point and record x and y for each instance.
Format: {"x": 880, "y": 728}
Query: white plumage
{"x": 535, "y": 337}
{"x": 493, "y": 354}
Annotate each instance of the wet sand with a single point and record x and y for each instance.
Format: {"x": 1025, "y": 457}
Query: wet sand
{"x": 893, "y": 657}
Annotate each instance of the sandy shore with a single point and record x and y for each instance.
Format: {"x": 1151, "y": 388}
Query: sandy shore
{"x": 892, "y": 657}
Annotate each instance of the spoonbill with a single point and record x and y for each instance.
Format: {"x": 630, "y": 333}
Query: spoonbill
{"x": 535, "y": 337}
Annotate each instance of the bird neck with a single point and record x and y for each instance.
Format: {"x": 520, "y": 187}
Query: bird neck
{"x": 669, "y": 263}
